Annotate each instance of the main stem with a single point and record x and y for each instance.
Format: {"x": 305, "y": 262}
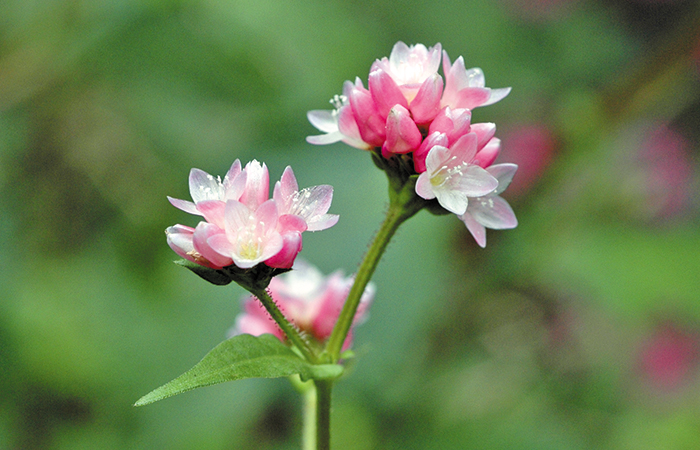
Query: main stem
{"x": 404, "y": 203}
{"x": 323, "y": 414}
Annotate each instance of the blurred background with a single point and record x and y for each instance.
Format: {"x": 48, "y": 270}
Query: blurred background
{"x": 580, "y": 329}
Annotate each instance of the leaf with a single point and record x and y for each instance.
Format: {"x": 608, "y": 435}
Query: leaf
{"x": 240, "y": 357}
{"x": 213, "y": 276}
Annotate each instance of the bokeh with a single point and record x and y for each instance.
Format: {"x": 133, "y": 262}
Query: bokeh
{"x": 580, "y": 329}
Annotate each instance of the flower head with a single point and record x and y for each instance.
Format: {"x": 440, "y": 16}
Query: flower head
{"x": 243, "y": 226}
{"x": 421, "y": 123}
{"x": 308, "y": 299}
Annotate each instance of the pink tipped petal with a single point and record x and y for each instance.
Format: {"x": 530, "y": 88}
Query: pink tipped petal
{"x": 385, "y": 92}
{"x": 484, "y": 132}
{"x": 476, "y": 229}
{"x": 504, "y": 174}
{"x": 493, "y": 212}
{"x": 257, "y": 185}
{"x": 287, "y": 185}
{"x": 426, "y": 105}
{"x": 232, "y": 173}
{"x": 204, "y": 186}
{"x": 184, "y": 205}
{"x": 402, "y": 134}
{"x": 322, "y": 222}
{"x": 487, "y": 155}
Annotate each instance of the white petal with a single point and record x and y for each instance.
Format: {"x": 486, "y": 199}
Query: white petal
{"x": 496, "y": 95}
{"x": 324, "y": 139}
{"x": 324, "y": 120}
{"x": 204, "y": 186}
{"x": 184, "y": 205}
{"x": 493, "y": 212}
{"x": 423, "y": 186}
{"x": 473, "y": 182}
{"x": 504, "y": 174}
{"x": 453, "y": 201}
{"x": 475, "y": 77}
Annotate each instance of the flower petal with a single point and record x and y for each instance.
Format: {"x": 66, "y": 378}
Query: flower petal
{"x": 493, "y": 212}
{"x": 184, "y": 205}
{"x": 476, "y": 229}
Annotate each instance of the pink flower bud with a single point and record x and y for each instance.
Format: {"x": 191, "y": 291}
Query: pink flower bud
{"x": 402, "y": 134}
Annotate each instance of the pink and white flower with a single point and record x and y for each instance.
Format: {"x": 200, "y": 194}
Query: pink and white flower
{"x": 467, "y": 88}
{"x": 308, "y": 299}
{"x": 452, "y": 177}
{"x": 491, "y": 210}
{"x": 243, "y": 226}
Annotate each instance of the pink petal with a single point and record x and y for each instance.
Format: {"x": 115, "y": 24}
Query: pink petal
{"x": 476, "y": 229}
{"x": 420, "y": 155}
{"x": 284, "y": 259}
{"x": 370, "y": 125}
{"x": 426, "y": 105}
{"x": 470, "y": 98}
{"x": 257, "y": 186}
{"x": 465, "y": 147}
{"x": 497, "y": 95}
{"x": 213, "y": 211}
{"x": 385, "y": 92}
{"x": 487, "y": 155}
{"x": 484, "y": 132}
{"x": 200, "y": 239}
{"x": 424, "y": 188}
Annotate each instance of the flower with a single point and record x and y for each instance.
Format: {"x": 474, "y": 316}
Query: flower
{"x": 243, "y": 226}
{"x": 490, "y": 210}
{"x": 451, "y": 177}
{"x": 421, "y": 123}
{"x": 308, "y": 299}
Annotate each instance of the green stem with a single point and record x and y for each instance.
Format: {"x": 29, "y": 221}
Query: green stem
{"x": 289, "y": 330}
{"x": 404, "y": 203}
{"x": 308, "y": 432}
{"x": 323, "y": 414}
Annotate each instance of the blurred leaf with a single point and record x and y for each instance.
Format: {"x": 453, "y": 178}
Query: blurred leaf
{"x": 243, "y": 356}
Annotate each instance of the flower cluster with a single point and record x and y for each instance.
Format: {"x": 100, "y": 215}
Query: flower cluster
{"x": 242, "y": 225}
{"x": 408, "y": 112}
{"x": 308, "y": 299}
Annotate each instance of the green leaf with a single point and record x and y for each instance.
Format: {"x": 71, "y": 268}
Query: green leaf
{"x": 243, "y": 356}
{"x": 213, "y": 276}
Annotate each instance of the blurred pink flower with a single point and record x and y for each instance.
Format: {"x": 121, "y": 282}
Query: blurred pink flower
{"x": 532, "y": 148}
{"x": 308, "y": 299}
{"x": 243, "y": 226}
{"x": 669, "y": 356}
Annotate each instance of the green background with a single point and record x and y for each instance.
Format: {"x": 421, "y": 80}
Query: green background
{"x": 538, "y": 341}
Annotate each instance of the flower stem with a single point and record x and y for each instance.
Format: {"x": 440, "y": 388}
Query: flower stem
{"x": 323, "y": 414}
{"x": 289, "y": 330}
{"x": 403, "y": 204}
